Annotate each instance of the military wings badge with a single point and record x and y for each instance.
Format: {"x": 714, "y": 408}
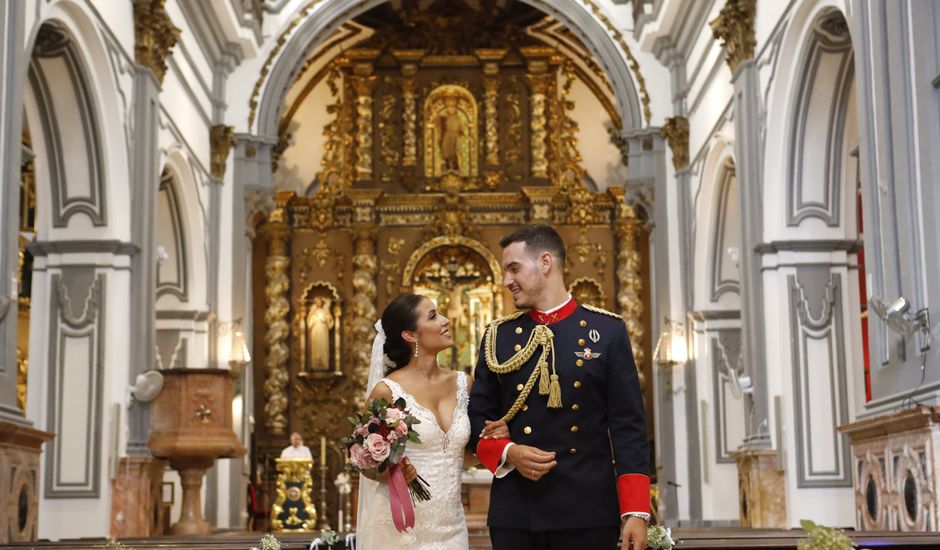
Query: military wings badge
{"x": 587, "y": 354}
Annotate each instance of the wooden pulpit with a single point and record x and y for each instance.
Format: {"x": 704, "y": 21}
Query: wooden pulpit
{"x": 191, "y": 426}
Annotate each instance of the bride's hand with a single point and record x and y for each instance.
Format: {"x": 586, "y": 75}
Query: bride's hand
{"x": 408, "y": 470}
{"x": 495, "y": 430}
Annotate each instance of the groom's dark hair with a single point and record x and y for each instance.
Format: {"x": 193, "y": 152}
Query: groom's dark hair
{"x": 538, "y": 238}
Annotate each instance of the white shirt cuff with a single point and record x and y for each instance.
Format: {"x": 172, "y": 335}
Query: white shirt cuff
{"x": 504, "y": 465}
{"x": 642, "y": 515}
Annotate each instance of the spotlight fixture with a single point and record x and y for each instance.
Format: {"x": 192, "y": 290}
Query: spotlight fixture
{"x": 899, "y": 319}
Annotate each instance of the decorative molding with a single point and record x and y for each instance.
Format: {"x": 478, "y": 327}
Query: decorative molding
{"x": 816, "y": 316}
{"x": 719, "y": 286}
{"x": 676, "y": 131}
{"x": 78, "y": 246}
{"x": 277, "y": 315}
{"x": 634, "y": 64}
{"x": 830, "y": 51}
{"x": 852, "y": 246}
{"x": 154, "y": 35}
{"x": 715, "y": 315}
{"x": 178, "y": 285}
{"x": 221, "y": 141}
{"x": 84, "y": 139}
{"x": 75, "y": 472}
{"x": 726, "y": 354}
{"x": 734, "y": 26}
{"x": 275, "y": 51}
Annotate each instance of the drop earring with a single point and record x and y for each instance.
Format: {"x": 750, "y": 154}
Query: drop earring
{"x": 416, "y": 349}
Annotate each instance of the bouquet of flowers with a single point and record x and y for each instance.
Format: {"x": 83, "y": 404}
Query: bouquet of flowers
{"x": 377, "y": 443}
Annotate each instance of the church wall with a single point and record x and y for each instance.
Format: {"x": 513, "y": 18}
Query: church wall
{"x": 90, "y": 346}
{"x": 703, "y": 93}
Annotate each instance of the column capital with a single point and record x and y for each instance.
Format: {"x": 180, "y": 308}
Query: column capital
{"x": 734, "y": 26}
{"x": 154, "y": 36}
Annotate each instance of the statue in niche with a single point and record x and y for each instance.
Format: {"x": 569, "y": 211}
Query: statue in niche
{"x": 453, "y": 131}
{"x": 319, "y": 325}
{"x": 450, "y": 140}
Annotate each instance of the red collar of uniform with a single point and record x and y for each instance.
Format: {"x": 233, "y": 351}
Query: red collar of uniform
{"x": 564, "y": 311}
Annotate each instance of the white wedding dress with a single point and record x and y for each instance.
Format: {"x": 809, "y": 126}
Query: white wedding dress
{"x": 439, "y": 522}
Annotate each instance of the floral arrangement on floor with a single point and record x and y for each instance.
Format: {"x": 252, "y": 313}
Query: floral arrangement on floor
{"x": 268, "y": 542}
{"x": 659, "y": 537}
{"x": 823, "y": 538}
{"x": 112, "y": 544}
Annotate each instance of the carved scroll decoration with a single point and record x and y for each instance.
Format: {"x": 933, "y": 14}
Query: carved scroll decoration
{"x": 630, "y": 282}
{"x": 363, "y": 312}
{"x": 363, "y": 86}
{"x": 538, "y": 98}
{"x": 490, "y": 96}
{"x": 276, "y": 317}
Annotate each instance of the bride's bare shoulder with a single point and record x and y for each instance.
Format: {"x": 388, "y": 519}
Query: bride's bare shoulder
{"x": 381, "y": 391}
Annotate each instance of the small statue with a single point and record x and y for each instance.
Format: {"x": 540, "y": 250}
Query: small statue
{"x": 319, "y": 324}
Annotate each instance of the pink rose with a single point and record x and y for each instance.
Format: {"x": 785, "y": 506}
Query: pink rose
{"x": 378, "y": 447}
{"x": 362, "y": 430}
{"x": 401, "y": 429}
{"x": 361, "y": 458}
{"x": 393, "y": 415}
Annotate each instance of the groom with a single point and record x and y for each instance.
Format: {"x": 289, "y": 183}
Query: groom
{"x": 574, "y": 473}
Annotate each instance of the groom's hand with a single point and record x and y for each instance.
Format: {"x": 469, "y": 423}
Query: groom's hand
{"x": 634, "y": 534}
{"x": 531, "y": 462}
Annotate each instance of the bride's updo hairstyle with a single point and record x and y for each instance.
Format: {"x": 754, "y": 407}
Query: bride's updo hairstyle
{"x": 400, "y": 315}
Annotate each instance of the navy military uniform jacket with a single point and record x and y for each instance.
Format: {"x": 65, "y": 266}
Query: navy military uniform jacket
{"x": 598, "y": 434}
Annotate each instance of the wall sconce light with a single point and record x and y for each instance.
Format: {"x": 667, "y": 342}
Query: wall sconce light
{"x": 671, "y": 347}
{"x": 239, "y": 356}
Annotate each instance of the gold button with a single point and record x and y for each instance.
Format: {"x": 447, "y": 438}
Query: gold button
{"x": 583, "y": 323}
{"x": 576, "y": 407}
{"x": 581, "y": 342}
{"x": 518, "y": 330}
{"x": 525, "y": 408}
{"x": 518, "y": 347}
{"x": 579, "y": 362}
{"x": 577, "y": 383}
{"x": 519, "y": 387}
{"x": 527, "y": 430}
{"x": 574, "y": 429}
{"x": 573, "y": 451}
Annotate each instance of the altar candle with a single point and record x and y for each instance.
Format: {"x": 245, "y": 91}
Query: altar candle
{"x": 322, "y": 449}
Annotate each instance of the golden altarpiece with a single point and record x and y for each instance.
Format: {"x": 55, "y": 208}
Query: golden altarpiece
{"x": 432, "y": 155}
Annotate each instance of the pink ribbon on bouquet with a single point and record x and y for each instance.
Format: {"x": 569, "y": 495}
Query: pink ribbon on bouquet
{"x": 403, "y": 512}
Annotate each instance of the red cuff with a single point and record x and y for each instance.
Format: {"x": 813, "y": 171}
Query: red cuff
{"x": 490, "y": 452}
{"x": 634, "y": 492}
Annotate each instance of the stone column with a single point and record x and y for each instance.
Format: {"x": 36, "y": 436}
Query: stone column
{"x": 277, "y": 316}
{"x": 20, "y": 444}
{"x": 409, "y": 68}
{"x": 894, "y": 453}
{"x": 364, "y": 313}
{"x": 491, "y": 82}
{"x": 154, "y": 36}
{"x": 363, "y": 83}
{"x": 759, "y": 477}
{"x": 12, "y": 24}
{"x": 539, "y": 80}
{"x": 735, "y": 28}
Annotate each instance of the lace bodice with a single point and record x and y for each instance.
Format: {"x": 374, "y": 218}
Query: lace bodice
{"x": 439, "y": 522}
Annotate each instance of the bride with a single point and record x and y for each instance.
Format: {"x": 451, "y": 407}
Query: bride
{"x": 404, "y": 365}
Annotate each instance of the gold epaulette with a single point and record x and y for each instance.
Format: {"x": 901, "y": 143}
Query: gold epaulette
{"x": 507, "y": 318}
{"x": 601, "y": 311}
